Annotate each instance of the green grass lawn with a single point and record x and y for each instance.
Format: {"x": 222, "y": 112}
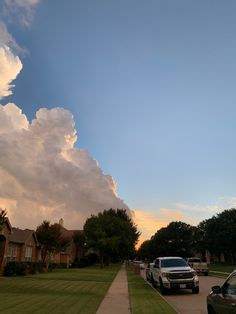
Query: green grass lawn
{"x": 144, "y": 299}
{"x": 62, "y": 291}
{"x": 221, "y": 269}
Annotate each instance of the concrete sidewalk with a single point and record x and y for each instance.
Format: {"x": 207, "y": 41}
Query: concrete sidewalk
{"x": 116, "y": 301}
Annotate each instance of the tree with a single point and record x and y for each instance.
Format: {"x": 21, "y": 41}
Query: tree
{"x": 177, "y": 239}
{"x": 144, "y": 250}
{"x": 51, "y": 240}
{"x": 219, "y": 234}
{"x": 79, "y": 241}
{"x": 3, "y": 214}
{"x": 112, "y": 233}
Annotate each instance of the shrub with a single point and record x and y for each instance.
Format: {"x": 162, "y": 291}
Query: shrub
{"x": 15, "y": 269}
{"x": 9, "y": 269}
{"x": 22, "y": 268}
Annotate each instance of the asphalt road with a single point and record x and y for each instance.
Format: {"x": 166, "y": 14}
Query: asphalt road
{"x": 185, "y": 302}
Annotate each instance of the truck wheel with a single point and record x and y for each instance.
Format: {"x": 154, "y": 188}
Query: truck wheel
{"x": 210, "y": 310}
{"x": 154, "y": 284}
{"x": 206, "y": 273}
{"x": 162, "y": 288}
{"x": 195, "y": 290}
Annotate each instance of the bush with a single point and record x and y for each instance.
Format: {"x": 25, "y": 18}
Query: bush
{"x": 15, "y": 269}
{"x": 9, "y": 269}
{"x": 52, "y": 266}
{"x": 89, "y": 260}
{"x": 22, "y": 268}
{"x": 34, "y": 267}
{"x": 80, "y": 264}
{"x": 92, "y": 258}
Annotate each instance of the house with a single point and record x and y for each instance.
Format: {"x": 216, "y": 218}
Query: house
{"x": 5, "y": 233}
{"x": 23, "y": 246}
{"x": 73, "y": 249}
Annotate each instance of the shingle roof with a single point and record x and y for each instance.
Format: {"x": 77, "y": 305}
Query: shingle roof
{"x": 68, "y": 234}
{"x": 21, "y": 236}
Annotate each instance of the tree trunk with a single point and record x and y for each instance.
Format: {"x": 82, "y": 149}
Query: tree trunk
{"x": 101, "y": 259}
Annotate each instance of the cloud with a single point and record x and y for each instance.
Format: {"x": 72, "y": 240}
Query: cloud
{"x": 6, "y": 39}
{"x": 149, "y": 222}
{"x": 10, "y": 67}
{"x": 44, "y": 176}
{"x": 19, "y": 10}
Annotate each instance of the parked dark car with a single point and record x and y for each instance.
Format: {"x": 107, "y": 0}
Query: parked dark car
{"x": 148, "y": 272}
{"x": 222, "y": 300}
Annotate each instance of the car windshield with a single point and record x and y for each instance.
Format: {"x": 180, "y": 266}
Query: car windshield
{"x": 173, "y": 262}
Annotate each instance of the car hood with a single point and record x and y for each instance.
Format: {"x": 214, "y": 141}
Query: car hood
{"x": 176, "y": 269}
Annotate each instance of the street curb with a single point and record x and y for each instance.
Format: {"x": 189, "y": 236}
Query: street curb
{"x": 160, "y": 294}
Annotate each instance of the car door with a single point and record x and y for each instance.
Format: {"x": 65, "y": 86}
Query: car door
{"x": 156, "y": 270}
{"x": 226, "y": 302}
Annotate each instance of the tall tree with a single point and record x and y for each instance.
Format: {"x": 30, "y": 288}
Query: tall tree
{"x": 112, "y": 233}
{"x": 144, "y": 251}
{"x": 177, "y": 239}
{"x": 219, "y": 234}
{"x": 79, "y": 241}
{"x": 51, "y": 240}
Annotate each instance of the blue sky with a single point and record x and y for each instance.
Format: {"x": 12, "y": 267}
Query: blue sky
{"x": 151, "y": 86}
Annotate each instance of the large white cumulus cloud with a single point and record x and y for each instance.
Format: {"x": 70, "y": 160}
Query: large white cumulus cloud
{"x": 10, "y": 66}
{"x": 44, "y": 176}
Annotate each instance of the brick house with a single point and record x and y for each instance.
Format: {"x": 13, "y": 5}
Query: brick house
{"x": 5, "y": 233}
{"x": 72, "y": 252}
{"x": 23, "y": 246}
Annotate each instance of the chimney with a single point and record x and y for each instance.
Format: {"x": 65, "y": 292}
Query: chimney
{"x": 61, "y": 222}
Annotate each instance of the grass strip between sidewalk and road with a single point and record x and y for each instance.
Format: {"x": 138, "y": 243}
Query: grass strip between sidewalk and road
{"x": 143, "y": 298}
{"x": 222, "y": 270}
{"x": 68, "y": 291}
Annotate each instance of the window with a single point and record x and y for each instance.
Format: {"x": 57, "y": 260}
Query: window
{"x": 230, "y": 286}
{"x": 28, "y": 253}
{"x": 11, "y": 253}
{"x": 157, "y": 263}
{"x": 173, "y": 262}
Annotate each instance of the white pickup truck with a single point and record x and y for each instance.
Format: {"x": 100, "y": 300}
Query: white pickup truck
{"x": 198, "y": 265}
{"x": 170, "y": 273}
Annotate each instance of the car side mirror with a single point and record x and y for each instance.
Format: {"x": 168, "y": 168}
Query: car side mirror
{"x": 216, "y": 289}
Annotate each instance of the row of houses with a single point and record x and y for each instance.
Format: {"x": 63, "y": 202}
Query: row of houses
{"x": 22, "y": 246}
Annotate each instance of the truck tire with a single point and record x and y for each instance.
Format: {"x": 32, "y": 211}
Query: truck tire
{"x": 162, "y": 288}
{"x": 210, "y": 310}
{"x": 195, "y": 290}
{"x": 153, "y": 282}
{"x": 206, "y": 273}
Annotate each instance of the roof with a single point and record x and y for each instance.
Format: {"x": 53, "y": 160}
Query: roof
{"x": 69, "y": 234}
{"x": 170, "y": 257}
{"x": 21, "y": 236}
{"x": 8, "y": 224}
